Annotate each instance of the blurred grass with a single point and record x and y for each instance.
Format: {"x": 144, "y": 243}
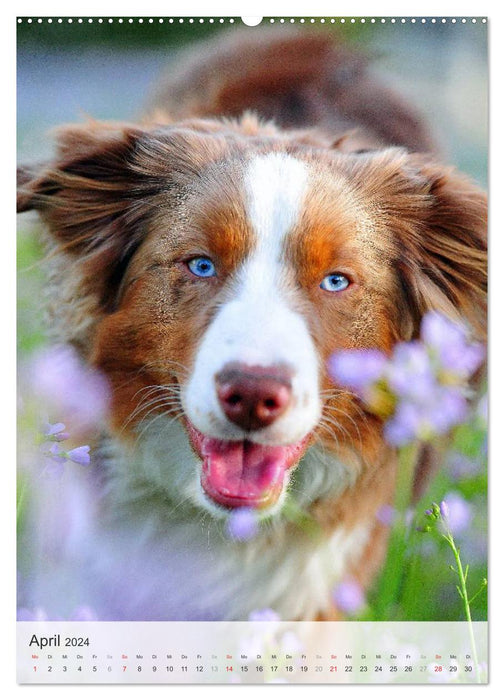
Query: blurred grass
{"x": 425, "y": 587}
{"x": 30, "y": 284}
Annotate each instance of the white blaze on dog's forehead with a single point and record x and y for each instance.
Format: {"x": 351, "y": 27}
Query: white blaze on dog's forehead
{"x": 257, "y": 324}
{"x": 275, "y": 187}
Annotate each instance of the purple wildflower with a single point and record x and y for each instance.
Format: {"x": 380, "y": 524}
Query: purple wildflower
{"x": 447, "y": 408}
{"x": 409, "y": 373}
{"x": 421, "y": 391}
{"x": 242, "y": 524}
{"x": 79, "y": 455}
{"x": 55, "y": 431}
{"x": 55, "y": 456}
{"x": 59, "y": 379}
{"x": 438, "y": 331}
{"x": 404, "y": 426}
{"x": 357, "y": 369}
{"x": 463, "y": 360}
{"x": 53, "y": 428}
{"x": 436, "y": 414}
{"x": 53, "y": 459}
{"x": 56, "y": 453}
{"x": 348, "y": 597}
{"x": 449, "y": 341}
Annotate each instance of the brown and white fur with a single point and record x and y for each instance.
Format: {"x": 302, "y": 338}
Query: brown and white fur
{"x": 282, "y": 161}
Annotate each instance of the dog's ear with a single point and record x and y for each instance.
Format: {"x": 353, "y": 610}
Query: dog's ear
{"x": 445, "y": 263}
{"x": 438, "y": 218}
{"x": 87, "y": 185}
{"x": 87, "y": 199}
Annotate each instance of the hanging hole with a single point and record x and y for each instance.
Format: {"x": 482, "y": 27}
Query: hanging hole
{"x": 251, "y": 21}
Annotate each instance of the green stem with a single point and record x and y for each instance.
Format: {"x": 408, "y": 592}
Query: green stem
{"x": 406, "y": 472}
{"x": 465, "y": 598}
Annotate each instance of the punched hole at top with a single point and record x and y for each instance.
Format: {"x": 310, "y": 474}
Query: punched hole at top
{"x": 251, "y": 21}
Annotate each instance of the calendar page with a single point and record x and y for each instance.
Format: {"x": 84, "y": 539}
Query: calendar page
{"x": 252, "y": 437}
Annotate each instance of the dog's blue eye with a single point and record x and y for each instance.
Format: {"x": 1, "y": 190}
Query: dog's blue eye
{"x": 335, "y": 282}
{"x": 202, "y": 267}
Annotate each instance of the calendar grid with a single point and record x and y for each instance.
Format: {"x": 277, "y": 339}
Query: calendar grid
{"x": 250, "y": 652}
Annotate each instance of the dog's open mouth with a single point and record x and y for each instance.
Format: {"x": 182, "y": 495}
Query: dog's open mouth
{"x": 244, "y": 474}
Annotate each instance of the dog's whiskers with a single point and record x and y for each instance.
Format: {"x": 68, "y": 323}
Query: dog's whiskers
{"x": 168, "y": 393}
{"x": 175, "y": 415}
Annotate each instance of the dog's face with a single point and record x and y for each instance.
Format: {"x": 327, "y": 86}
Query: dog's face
{"x": 221, "y": 267}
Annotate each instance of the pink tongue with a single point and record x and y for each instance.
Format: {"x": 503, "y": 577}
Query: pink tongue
{"x": 243, "y": 473}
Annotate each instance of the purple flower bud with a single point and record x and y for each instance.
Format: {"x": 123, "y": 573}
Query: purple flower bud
{"x": 55, "y": 432}
{"x": 242, "y": 524}
{"x": 348, "y": 597}
{"x": 52, "y": 429}
{"x": 443, "y": 509}
{"x": 80, "y": 455}
{"x": 357, "y": 369}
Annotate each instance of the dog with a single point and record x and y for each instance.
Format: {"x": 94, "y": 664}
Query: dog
{"x": 276, "y": 204}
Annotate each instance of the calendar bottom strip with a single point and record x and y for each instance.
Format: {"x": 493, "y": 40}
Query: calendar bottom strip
{"x": 252, "y": 652}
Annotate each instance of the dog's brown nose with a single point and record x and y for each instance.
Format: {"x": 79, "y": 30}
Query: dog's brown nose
{"x": 253, "y": 397}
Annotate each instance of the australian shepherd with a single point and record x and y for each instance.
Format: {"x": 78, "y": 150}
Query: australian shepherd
{"x": 277, "y": 204}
